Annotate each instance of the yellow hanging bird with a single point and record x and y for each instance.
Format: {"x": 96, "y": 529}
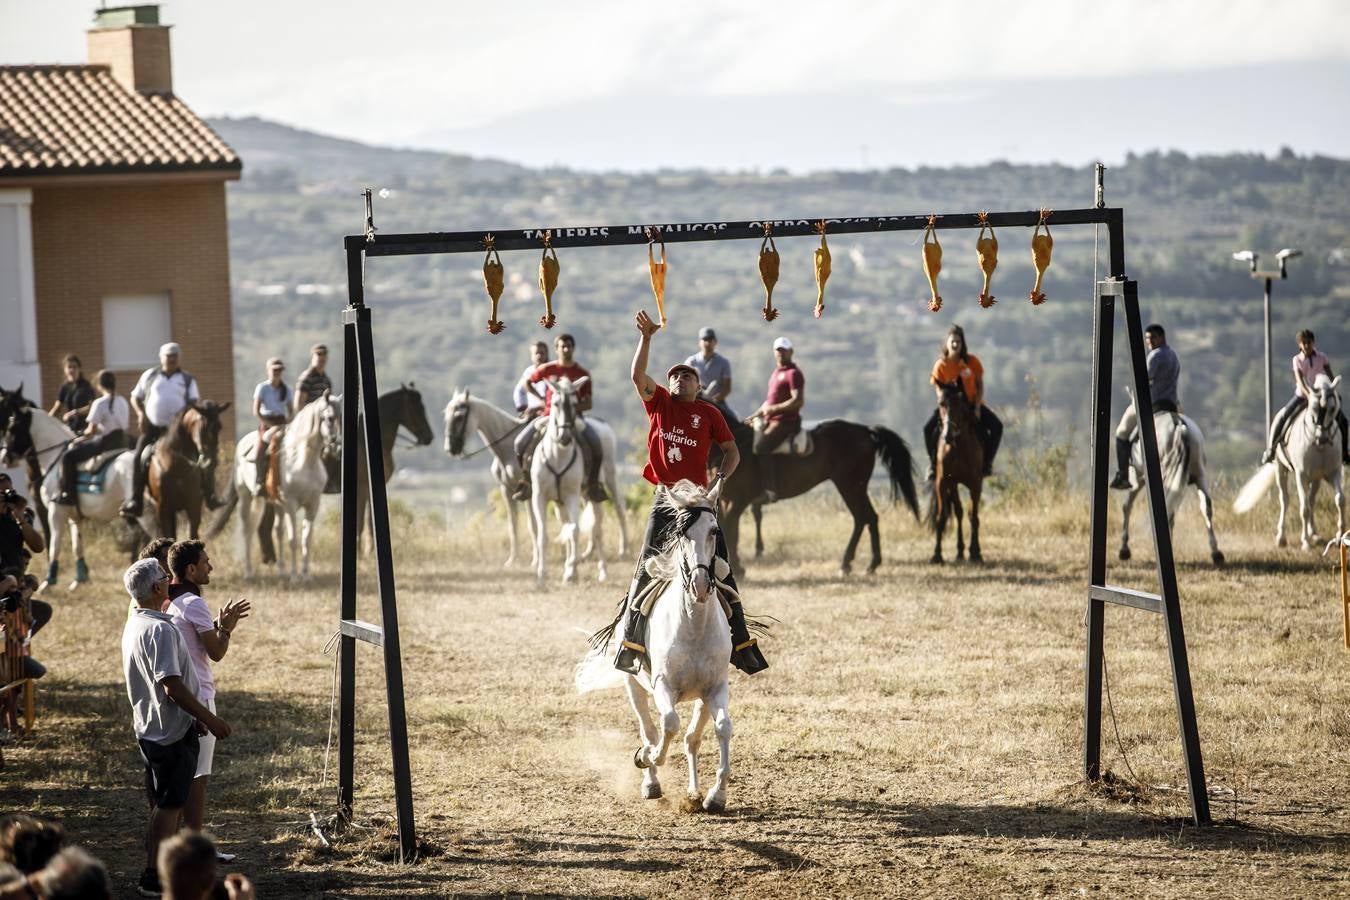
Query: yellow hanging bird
{"x": 986, "y": 249}
{"x": 494, "y": 281}
{"x": 1041, "y": 245}
{"x": 548, "y": 283}
{"x": 768, "y": 273}
{"x": 658, "y": 273}
{"x": 822, "y": 270}
{"x": 932, "y": 263}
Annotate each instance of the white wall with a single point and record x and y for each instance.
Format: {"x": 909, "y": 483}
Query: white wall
{"x": 18, "y": 315}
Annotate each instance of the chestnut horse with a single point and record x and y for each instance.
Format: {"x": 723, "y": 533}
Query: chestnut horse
{"x": 181, "y": 458}
{"x": 959, "y": 460}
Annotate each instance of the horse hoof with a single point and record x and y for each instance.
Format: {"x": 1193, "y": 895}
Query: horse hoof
{"x": 1124, "y": 553}
{"x": 714, "y": 805}
{"x": 651, "y": 791}
{"x": 1281, "y": 542}
{"x": 74, "y": 586}
{"x": 937, "y": 559}
{"x": 637, "y": 761}
{"x": 976, "y": 558}
{"x": 1218, "y": 558}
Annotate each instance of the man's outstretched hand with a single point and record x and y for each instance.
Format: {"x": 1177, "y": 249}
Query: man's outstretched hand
{"x": 645, "y": 324}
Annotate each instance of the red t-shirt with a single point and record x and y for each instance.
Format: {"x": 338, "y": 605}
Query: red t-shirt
{"x": 781, "y": 384}
{"x": 556, "y": 370}
{"x": 681, "y": 435}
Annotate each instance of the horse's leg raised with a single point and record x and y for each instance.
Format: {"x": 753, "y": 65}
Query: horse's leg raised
{"x": 716, "y": 801}
{"x": 864, "y": 516}
{"x": 1283, "y": 486}
{"x": 637, "y": 697}
{"x": 654, "y": 754}
{"x": 693, "y": 739}
{"x": 1125, "y": 506}
{"x": 1305, "y": 495}
{"x": 975, "y": 490}
{"x": 1207, "y": 513}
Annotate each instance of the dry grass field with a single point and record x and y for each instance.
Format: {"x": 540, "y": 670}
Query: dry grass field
{"x": 918, "y": 734}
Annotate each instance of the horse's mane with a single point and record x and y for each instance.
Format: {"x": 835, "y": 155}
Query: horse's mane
{"x": 681, "y": 498}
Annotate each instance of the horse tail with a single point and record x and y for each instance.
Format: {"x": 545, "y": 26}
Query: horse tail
{"x": 1256, "y": 487}
{"x": 223, "y": 514}
{"x": 596, "y": 671}
{"x": 894, "y": 452}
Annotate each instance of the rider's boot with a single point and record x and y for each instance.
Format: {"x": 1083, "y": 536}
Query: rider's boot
{"x": 594, "y": 490}
{"x": 1122, "y": 480}
{"x": 768, "y": 478}
{"x": 745, "y": 653}
{"x": 522, "y": 489}
{"x": 67, "y": 495}
{"x": 133, "y": 508}
{"x": 632, "y": 655}
{"x": 260, "y": 461}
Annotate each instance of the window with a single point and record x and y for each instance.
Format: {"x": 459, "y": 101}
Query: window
{"x": 134, "y": 327}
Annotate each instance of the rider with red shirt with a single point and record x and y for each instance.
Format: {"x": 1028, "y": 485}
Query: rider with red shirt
{"x": 782, "y": 415}
{"x": 683, "y": 429}
{"x": 565, "y": 366}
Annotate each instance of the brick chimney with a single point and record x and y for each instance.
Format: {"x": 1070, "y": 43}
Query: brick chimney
{"x": 130, "y": 40}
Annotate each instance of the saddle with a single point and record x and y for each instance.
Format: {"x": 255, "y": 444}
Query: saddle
{"x": 91, "y": 474}
{"x": 800, "y": 444}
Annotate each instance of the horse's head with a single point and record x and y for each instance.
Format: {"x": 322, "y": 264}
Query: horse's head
{"x": 956, "y": 412}
{"x": 693, "y": 546}
{"x": 458, "y": 412}
{"x": 1323, "y": 407}
{"x": 201, "y": 421}
{"x": 412, "y": 414}
{"x": 17, "y": 438}
{"x": 562, "y": 413}
{"x": 329, "y": 415}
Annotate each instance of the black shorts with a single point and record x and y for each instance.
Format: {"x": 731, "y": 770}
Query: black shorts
{"x": 172, "y": 768}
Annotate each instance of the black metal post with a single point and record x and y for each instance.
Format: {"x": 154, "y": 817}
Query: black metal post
{"x": 1103, "y": 330}
{"x": 1269, "y": 417}
{"x": 351, "y": 399}
{"x": 1167, "y": 576}
{"x": 384, "y": 563}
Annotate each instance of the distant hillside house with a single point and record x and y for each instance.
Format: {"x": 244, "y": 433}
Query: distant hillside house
{"x": 112, "y": 217}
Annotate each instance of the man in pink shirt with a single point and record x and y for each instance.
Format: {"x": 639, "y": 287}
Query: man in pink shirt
{"x": 207, "y": 640}
{"x": 781, "y": 412}
{"x": 1308, "y": 363}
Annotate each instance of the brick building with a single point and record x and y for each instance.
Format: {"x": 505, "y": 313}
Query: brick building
{"x": 112, "y": 217}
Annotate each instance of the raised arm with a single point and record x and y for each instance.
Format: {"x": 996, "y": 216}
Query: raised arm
{"x": 646, "y": 388}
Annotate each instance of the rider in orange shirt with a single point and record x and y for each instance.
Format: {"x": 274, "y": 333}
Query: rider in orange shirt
{"x": 955, "y": 365}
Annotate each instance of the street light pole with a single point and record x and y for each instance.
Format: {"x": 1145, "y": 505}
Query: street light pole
{"x": 1268, "y": 277}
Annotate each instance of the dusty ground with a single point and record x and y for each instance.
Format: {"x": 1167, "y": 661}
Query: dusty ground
{"x": 919, "y": 732}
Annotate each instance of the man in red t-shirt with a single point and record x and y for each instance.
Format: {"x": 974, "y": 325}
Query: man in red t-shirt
{"x": 781, "y": 412}
{"x": 565, "y": 366}
{"x": 683, "y": 429}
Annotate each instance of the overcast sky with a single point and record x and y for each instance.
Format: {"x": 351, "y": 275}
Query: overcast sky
{"x": 803, "y": 85}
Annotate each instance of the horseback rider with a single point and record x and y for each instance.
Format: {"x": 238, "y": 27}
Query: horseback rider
{"x": 714, "y": 373}
{"x": 781, "y": 412}
{"x": 109, "y": 418}
{"x": 272, "y": 411}
{"x": 314, "y": 380}
{"x": 528, "y": 403}
{"x": 1308, "y": 363}
{"x": 160, "y": 394}
{"x": 1164, "y": 372}
{"x": 681, "y": 432}
{"x": 564, "y": 366}
{"x": 76, "y": 394}
{"x": 957, "y": 365}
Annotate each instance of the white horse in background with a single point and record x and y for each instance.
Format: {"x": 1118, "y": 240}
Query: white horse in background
{"x": 32, "y": 427}
{"x": 1311, "y": 449}
{"x": 315, "y": 431}
{"x": 556, "y": 474}
{"x": 497, "y": 428}
{"x": 688, "y": 646}
{"x": 1181, "y": 457}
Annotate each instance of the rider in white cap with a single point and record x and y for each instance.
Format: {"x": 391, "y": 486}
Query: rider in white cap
{"x": 159, "y": 395}
{"x": 781, "y": 412}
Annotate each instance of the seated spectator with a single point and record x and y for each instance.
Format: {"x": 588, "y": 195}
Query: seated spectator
{"x": 27, "y": 843}
{"x": 187, "y": 866}
{"x": 73, "y": 875}
{"x": 16, "y": 660}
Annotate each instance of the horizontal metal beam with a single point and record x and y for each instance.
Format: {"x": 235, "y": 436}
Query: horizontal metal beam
{"x": 1126, "y": 597}
{"x": 616, "y": 235}
{"x": 362, "y": 631}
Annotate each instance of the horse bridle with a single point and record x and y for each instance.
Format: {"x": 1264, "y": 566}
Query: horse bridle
{"x": 1323, "y": 419}
{"x": 687, "y": 572}
{"x": 950, "y": 429}
{"x": 458, "y": 432}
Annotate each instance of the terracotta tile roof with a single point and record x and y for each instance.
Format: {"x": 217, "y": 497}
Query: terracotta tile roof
{"x": 77, "y": 120}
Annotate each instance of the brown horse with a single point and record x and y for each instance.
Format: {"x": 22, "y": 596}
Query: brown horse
{"x": 181, "y": 459}
{"x": 844, "y": 453}
{"x": 959, "y": 460}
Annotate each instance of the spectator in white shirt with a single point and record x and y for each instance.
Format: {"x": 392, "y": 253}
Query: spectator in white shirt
{"x": 109, "y": 418}
{"x": 273, "y": 409}
{"x": 528, "y": 403}
{"x": 159, "y": 395}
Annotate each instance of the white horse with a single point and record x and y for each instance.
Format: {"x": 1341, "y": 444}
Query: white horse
{"x": 32, "y": 427}
{"x": 1311, "y": 449}
{"x": 688, "y": 646}
{"x": 1181, "y": 457}
{"x": 556, "y": 473}
{"x": 315, "y": 431}
{"x": 497, "y": 428}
